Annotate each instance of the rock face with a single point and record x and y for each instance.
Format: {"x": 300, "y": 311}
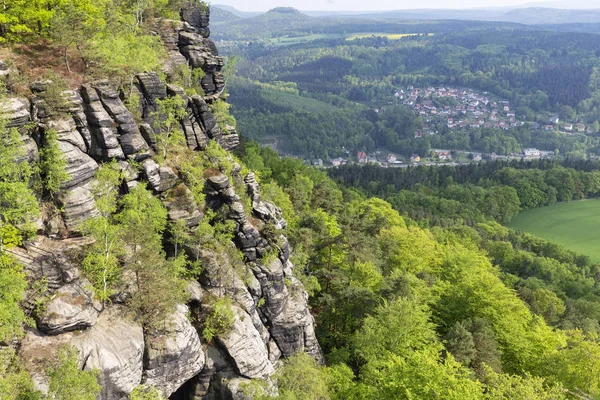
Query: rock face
{"x": 271, "y": 316}
{"x": 246, "y": 347}
{"x": 175, "y": 356}
{"x": 72, "y": 307}
{"x": 114, "y": 346}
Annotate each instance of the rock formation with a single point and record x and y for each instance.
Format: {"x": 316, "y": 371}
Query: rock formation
{"x": 272, "y": 319}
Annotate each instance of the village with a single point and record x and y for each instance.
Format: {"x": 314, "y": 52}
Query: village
{"x": 467, "y": 108}
{"x": 437, "y": 157}
{"x": 459, "y": 109}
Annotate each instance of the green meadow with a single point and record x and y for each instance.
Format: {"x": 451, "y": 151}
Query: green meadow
{"x": 575, "y": 225}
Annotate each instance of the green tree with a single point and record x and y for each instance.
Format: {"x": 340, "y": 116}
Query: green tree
{"x": 219, "y": 320}
{"x": 15, "y": 382}
{"x": 142, "y": 392}
{"x": 75, "y": 23}
{"x": 67, "y": 381}
{"x": 157, "y": 284}
{"x": 171, "y": 111}
{"x": 52, "y": 164}
{"x": 101, "y": 263}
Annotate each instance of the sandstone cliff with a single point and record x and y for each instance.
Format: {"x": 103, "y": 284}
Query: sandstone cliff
{"x": 272, "y": 319}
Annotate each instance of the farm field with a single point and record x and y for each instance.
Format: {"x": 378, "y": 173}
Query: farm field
{"x": 391, "y": 36}
{"x": 575, "y": 225}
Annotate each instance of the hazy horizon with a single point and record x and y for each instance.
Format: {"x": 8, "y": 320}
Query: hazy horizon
{"x": 387, "y": 5}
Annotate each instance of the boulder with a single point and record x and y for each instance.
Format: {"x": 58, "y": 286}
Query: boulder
{"x": 246, "y": 347}
{"x": 152, "y": 86}
{"x": 66, "y": 130}
{"x": 168, "y": 179}
{"x": 72, "y": 307}
{"x": 218, "y": 182}
{"x": 149, "y": 136}
{"x": 152, "y": 173}
{"x": 114, "y": 346}
{"x": 175, "y": 356}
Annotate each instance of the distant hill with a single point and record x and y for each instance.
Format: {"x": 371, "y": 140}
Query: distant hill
{"x": 494, "y": 14}
{"x": 540, "y": 15}
{"x": 276, "y": 22}
{"x": 218, "y": 15}
{"x": 235, "y": 11}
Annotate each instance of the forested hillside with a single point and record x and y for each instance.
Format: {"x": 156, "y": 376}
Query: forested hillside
{"x": 443, "y": 304}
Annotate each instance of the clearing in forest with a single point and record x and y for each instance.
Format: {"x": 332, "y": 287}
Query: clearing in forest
{"x": 575, "y": 225}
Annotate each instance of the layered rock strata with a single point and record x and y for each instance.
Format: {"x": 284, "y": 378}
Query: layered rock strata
{"x": 272, "y": 319}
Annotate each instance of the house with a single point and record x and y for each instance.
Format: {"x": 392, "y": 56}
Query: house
{"x": 391, "y": 158}
{"x": 532, "y": 153}
{"x": 418, "y": 134}
{"x": 549, "y": 127}
{"x": 415, "y": 158}
{"x": 443, "y": 154}
{"x": 554, "y": 120}
{"x": 362, "y": 157}
{"x": 317, "y": 162}
{"x": 568, "y": 127}
{"x": 580, "y": 127}
{"x": 476, "y": 157}
{"x": 336, "y": 162}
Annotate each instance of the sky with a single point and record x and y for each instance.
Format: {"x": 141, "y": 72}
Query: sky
{"x": 381, "y": 5}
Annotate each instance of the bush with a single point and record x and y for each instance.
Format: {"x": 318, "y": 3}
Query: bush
{"x": 220, "y": 320}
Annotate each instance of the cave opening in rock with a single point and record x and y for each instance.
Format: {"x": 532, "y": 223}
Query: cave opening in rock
{"x": 188, "y": 391}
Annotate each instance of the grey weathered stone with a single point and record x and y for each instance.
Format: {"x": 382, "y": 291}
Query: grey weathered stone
{"x": 194, "y": 290}
{"x": 66, "y": 130}
{"x": 246, "y": 347}
{"x": 149, "y": 136}
{"x": 175, "y": 356}
{"x": 72, "y": 307}
{"x": 168, "y": 179}
{"x": 80, "y": 167}
{"x": 196, "y": 17}
{"x": 37, "y": 350}
{"x": 180, "y": 204}
{"x": 114, "y": 346}
{"x": 15, "y": 111}
{"x": 152, "y": 86}
{"x": 78, "y": 205}
{"x": 152, "y": 173}
{"x": 218, "y": 181}
{"x": 230, "y": 142}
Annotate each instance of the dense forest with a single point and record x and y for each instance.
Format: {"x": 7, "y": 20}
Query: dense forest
{"x": 440, "y": 305}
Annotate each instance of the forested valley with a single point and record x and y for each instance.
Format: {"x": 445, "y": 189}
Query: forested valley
{"x": 341, "y": 91}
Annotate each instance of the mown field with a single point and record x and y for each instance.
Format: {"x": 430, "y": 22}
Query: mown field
{"x": 575, "y": 225}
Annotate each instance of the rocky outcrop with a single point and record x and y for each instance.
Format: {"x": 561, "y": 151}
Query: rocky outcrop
{"x": 246, "y": 347}
{"x": 115, "y": 347}
{"x": 93, "y": 125}
{"x": 72, "y": 307}
{"x": 174, "y": 356}
{"x": 15, "y": 111}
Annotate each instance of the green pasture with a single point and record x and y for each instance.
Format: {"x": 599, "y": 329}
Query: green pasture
{"x": 575, "y": 225}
